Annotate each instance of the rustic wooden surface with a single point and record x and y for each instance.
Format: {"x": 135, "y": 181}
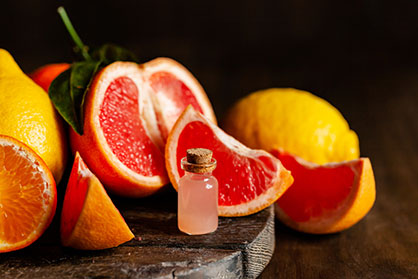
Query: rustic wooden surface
{"x": 240, "y": 248}
{"x": 384, "y": 112}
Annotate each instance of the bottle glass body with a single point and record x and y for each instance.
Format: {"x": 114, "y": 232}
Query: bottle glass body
{"x": 197, "y": 203}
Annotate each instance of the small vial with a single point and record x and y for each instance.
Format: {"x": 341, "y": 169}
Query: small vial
{"x": 197, "y": 211}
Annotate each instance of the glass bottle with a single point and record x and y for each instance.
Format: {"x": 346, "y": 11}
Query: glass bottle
{"x": 197, "y": 211}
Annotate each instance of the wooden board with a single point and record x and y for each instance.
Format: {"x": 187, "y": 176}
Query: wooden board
{"x": 240, "y": 248}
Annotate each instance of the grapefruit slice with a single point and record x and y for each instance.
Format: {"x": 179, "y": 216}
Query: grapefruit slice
{"x": 173, "y": 88}
{"x": 249, "y": 180}
{"x": 28, "y": 196}
{"x": 89, "y": 219}
{"x": 121, "y": 142}
{"x": 326, "y": 198}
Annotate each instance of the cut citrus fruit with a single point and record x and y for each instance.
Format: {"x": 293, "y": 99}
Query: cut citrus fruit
{"x": 173, "y": 88}
{"x": 119, "y": 142}
{"x": 89, "y": 220}
{"x": 326, "y": 198}
{"x": 129, "y": 111}
{"x": 249, "y": 180}
{"x": 28, "y": 196}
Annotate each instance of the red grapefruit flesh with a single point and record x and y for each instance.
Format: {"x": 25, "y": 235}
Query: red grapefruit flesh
{"x": 173, "y": 88}
{"x": 89, "y": 219}
{"x": 326, "y": 198}
{"x": 121, "y": 142}
{"x": 124, "y": 131}
{"x": 75, "y": 195}
{"x": 249, "y": 180}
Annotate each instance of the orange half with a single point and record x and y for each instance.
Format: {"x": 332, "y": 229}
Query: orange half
{"x": 28, "y": 196}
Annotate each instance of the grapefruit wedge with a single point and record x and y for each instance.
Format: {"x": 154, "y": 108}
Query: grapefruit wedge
{"x": 172, "y": 89}
{"x": 121, "y": 142}
{"x": 249, "y": 180}
{"x": 89, "y": 219}
{"x": 28, "y": 196}
{"x": 325, "y": 198}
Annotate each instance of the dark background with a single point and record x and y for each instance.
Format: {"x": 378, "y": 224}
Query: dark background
{"x": 360, "y": 55}
{"x": 339, "y": 50}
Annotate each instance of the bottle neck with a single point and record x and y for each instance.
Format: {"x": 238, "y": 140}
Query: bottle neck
{"x": 196, "y": 173}
{"x": 198, "y": 168}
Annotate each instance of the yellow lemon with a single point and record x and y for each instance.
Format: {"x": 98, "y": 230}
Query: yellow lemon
{"x": 27, "y": 114}
{"x": 296, "y": 121}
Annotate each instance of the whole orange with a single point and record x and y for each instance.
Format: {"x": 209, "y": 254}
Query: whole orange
{"x": 44, "y": 75}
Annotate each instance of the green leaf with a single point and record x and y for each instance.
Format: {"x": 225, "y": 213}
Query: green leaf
{"x": 59, "y": 93}
{"x": 109, "y": 53}
{"x": 82, "y": 74}
{"x": 67, "y": 92}
{"x": 69, "y": 89}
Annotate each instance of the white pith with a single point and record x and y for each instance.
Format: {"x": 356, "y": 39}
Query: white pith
{"x": 47, "y": 183}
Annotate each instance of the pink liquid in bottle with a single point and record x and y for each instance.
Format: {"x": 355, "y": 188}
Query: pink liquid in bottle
{"x": 198, "y": 195}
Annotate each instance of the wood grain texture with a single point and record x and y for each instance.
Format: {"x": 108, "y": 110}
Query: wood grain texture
{"x": 240, "y": 248}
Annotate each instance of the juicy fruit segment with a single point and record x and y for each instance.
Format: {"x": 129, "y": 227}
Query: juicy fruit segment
{"x": 27, "y": 195}
{"x": 295, "y": 121}
{"x": 326, "y": 198}
{"x": 249, "y": 180}
{"x": 44, "y": 75}
{"x": 27, "y": 114}
{"x": 118, "y": 142}
{"x": 89, "y": 219}
{"x": 173, "y": 97}
{"x": 172, "y": 89}
{"x": 125, "y": 134}
{"x": 242, "y": 170}
{"x": 315, "y": 189}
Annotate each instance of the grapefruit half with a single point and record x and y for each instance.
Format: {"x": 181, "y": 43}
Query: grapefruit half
{"x": 121, "y": 142}
{"x": 129, "y": 111}
{"x": 249, "y": 180}
{"x": 325, "y": 198}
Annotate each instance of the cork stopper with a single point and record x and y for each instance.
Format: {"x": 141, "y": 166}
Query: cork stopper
{"x": 198, "y": 160}
{"x": 199, "y": 155}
